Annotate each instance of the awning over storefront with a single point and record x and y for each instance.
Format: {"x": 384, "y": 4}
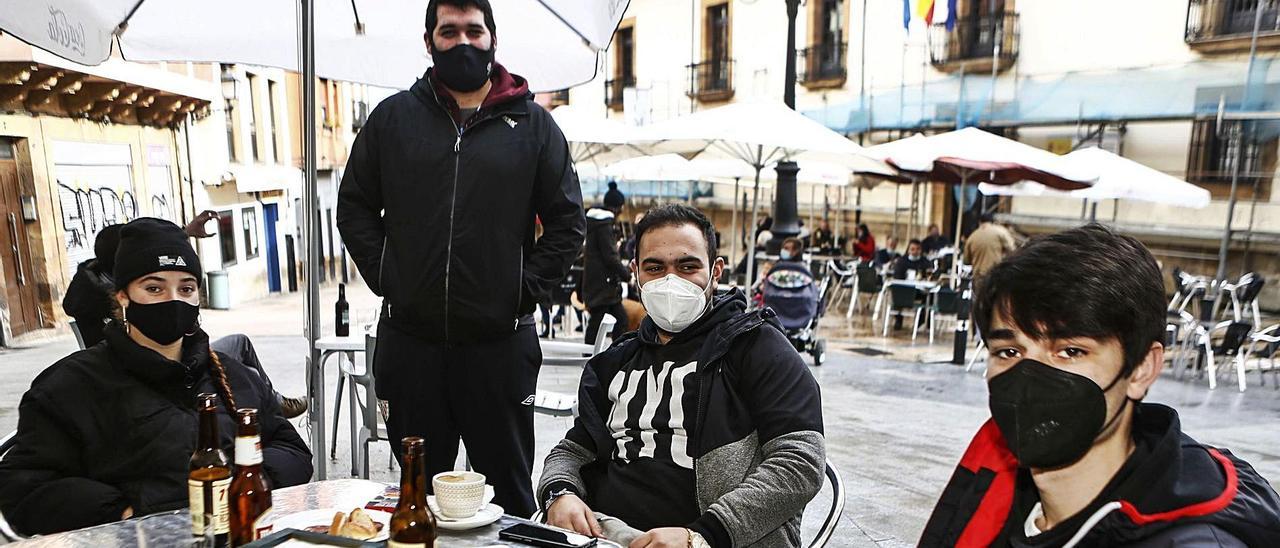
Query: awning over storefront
{"x": 1166, "y": 92}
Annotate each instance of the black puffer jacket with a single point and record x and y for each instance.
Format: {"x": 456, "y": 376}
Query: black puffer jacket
{"x": 113, "y": 427}
{"x": 439, "y": 213}
{"x": 603, "y": 272}
{"x": 1173, "y": 491}
{"x": 88, "y": 300}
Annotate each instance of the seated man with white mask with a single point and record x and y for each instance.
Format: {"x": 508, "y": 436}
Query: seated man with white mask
{"x": 702, "y": 381}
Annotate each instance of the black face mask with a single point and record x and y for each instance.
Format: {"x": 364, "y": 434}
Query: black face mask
{"x": 163, "y": 322}
{"x": 1049, "y": 417}
{"x": 463, "y": 67}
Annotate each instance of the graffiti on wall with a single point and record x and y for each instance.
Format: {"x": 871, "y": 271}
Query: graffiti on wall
{"x": 85, "y": 211}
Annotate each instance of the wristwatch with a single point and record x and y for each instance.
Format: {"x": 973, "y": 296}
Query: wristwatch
{"x": 552, "y": 496}
{"x": 696, "y": 540}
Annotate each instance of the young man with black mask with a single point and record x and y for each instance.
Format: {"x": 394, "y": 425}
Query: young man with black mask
{"x": 437, "y": 208}
{"x": 702, "y": 428}
{"x": 1072, "y": 456}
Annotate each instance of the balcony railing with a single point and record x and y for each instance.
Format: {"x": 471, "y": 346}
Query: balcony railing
{"x": 613, "y": 90}
{"x": 972, "y": 43}
{"x": 711, "y": 80}
{"x": 822, "y": 64}
{"x": 1228, "y": 24}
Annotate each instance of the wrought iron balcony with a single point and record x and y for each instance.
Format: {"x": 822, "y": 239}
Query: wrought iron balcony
{"x": 711, "y": 80}
{"x": 972, "y": 43}
{"x": 1227, "y": 25}
{"x": 613, "y": 91}
{"x": 823, "y": 65}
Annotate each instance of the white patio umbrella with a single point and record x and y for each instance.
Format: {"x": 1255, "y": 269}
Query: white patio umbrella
{"x": 758, "y": 133}
{"x": 597, "y": 139}
{"x": 553, "y": 43}
{"x": 1119, "y": 178}
{"x": 376, "y": 42}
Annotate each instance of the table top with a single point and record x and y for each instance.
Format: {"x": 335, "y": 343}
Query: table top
{"x": 174, "y": 528}
{"x": 918, "y": 284}
{"x": 350, "y": 343}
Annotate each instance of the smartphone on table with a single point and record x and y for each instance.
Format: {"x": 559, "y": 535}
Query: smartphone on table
{"x": 546, "y": 537}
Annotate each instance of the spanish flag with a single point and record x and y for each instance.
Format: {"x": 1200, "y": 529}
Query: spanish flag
{"x": 924, "y": 8}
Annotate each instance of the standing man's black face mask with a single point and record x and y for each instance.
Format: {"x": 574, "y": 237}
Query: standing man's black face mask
{"x": 463, "y": 67}
{"x": 1049, "y": 417}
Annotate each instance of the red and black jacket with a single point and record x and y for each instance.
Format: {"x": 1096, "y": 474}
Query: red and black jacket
{"x": 1173, "y": 491}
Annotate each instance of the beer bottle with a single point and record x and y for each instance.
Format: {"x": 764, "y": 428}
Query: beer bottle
{"x": 412, "y": 525}
{"x": 209, "y": 477}
{"x": 250, "y": 494}
{"x": 342, "y": 313}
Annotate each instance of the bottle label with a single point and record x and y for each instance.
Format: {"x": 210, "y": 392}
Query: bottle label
{"x": 248, "y": 450}
{"x": 262, "y": 526}
{"x": 346, "y": 317}
{"x": 221, "y": 511}
{"x": 394, "y": 544}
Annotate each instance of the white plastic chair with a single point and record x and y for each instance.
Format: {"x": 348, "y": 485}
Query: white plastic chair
{"x": 7, "y": 534}
{"x": 557, "y": 404}
{"x": 1270, "y": 338}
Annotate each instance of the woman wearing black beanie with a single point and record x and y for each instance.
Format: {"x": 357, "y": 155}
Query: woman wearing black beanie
{"x": 107, "y": 432}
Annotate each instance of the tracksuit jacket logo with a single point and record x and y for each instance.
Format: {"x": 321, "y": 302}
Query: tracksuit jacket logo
{"x": 648, "y": 415}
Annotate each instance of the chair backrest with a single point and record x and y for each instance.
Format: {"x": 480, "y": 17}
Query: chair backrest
{"x": 602, "y": 335}
{"x": 75, "y": 329}
{"x": 868, "y": 279}
{"x": 1251, "y": 289}
{"x": 7, "y": 443}
{"x": 1235, "y": 336}
{"x": 945, "y": 301}
{"x": 903, "y": 296}
{"x": 836, "y": 509}
{"x": 7, "y": 534}
{"x": 370, "y": 408}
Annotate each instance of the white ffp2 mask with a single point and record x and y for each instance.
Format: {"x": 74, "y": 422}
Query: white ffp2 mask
{"x": 673, "y": 303}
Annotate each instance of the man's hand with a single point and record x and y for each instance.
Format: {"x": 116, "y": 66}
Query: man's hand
{"x": 570, "y": 512}
{"x": 196, "y": 228}
{"x": 663, "y": 537}
{"x": 128, "y": 513}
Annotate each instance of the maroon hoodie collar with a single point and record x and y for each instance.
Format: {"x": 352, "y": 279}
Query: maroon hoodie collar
{"x": 506, "y": 87}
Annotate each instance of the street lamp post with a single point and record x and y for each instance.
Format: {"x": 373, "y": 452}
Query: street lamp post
{"x": 786, "y": 218}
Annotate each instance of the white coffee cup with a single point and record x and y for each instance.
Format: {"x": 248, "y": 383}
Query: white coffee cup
{"x": 460, "y": 493}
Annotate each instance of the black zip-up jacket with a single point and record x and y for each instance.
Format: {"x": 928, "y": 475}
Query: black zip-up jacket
{"x": 603, "y": 272}
{"x": 1173, "y": 491}
{"x": 113, "y": 427}
{"x": 88, "y": 300}
{"x": 757, "y": 440}
{"x": 439, "y": 213}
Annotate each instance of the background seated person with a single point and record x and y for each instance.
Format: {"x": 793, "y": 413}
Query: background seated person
{"x": 913, "y": 260}
{"x": 1072, "y": 455}
{"x": 756, "y": 438}
{"x": 107, "y": 432}
{"x": 887, "y": 254}
{"x": 934, "y": 241}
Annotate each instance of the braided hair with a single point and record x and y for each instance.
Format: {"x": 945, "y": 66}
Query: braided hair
{"x": 220, "y": 379}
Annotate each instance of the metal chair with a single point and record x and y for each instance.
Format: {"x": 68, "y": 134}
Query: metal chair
{"x": 946, "y": 303}
{"x": 75, "y": 330}
{"x": 1231, "y": 337}
{"x": 1270, "y": 339}
{"x": 866, "y": 280}
{"x": 368, "y": 430}
{"x": 7, "y": 534}
{"x": 556, "y": 404}
{"x": 903, "y": 298}
{"x": 841, "y": 279}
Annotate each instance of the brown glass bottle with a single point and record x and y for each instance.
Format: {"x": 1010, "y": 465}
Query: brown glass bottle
{"x": 209, "y": 477}
{"x": 250, "y": 493}
{"x": 412, "y": 524}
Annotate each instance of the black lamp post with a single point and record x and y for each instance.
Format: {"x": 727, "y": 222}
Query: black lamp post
{"x": 786, "y": 219}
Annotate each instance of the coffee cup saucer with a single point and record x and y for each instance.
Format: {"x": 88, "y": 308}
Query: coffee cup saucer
{"x": 487, "y": 514}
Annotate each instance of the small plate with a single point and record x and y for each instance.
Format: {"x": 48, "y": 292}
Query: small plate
{"x": 487, "y": 514}
{"x": 324, "y": 516}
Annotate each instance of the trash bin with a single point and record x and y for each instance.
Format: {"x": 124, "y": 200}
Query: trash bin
{"x": 219, "y": 290}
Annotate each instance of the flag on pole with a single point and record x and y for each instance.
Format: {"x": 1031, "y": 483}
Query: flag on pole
{"x": 951, "y": 15}
{"x": 906, "y": 14}
{"x": 924, "y": 8}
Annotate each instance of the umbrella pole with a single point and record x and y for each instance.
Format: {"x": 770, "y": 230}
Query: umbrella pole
{"x": 751, "y": 241}
{"x": 315, "y": 386}
{"x": 896, "y": 195}
{"x": 955, "y": 260}
{"x": 733, "y": 226}
{"x": 813, "y": 209}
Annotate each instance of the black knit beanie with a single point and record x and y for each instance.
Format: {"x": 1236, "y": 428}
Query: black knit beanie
{"x": 153, "y": 245}
{"x": 104, "y": 247}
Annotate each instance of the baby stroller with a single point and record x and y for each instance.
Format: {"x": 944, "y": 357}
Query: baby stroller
{"x": 790, "y": 290}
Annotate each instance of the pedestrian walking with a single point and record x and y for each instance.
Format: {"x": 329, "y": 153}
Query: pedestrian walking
{"x": 603, "y": 271}
{"x": 437, "y": 208}
{"x": 987, "y": 245}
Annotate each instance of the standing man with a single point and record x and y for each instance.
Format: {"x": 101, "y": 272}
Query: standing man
{"x": 437, "y": 208}
{"x": 987, "y": 245}
{"x": 602, "y": 271}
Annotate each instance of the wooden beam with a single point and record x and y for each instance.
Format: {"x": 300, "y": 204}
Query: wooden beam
{"x": 169, "y": 103}
{"x": 44, "y": 80}
{"x": 99, "y": 110}
{"x": 12, "y": 94}
{"x": 43, "y": 101}
{"x": 146, "y": 98}
{"x": 129, "y": 95}
{"x": 123, "y": 114}
{"x": 70, "y": 83}
{"x": 89, "y": 95}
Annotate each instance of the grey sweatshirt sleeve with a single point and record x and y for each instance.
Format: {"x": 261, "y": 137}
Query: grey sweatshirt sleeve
{"x": 563, "y": 465}
{"x": 788, "y": 477}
